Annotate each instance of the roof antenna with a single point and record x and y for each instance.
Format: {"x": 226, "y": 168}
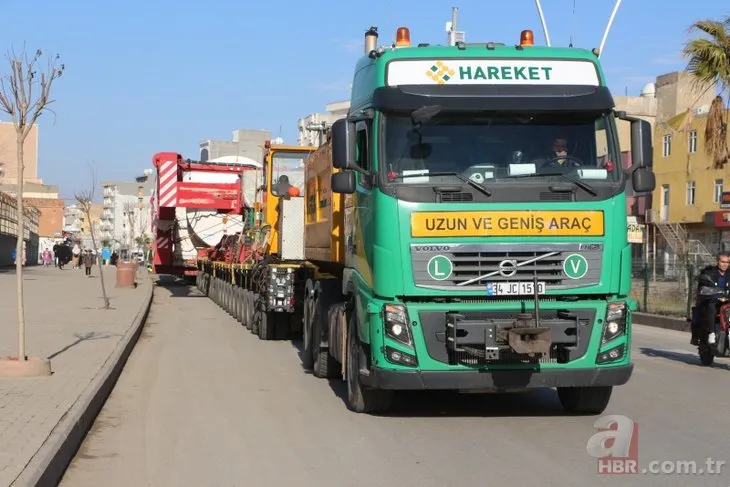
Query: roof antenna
{"x": 608, "y": 27}
{"x": 572, "y": 25}
{"x": 544, "y": 24}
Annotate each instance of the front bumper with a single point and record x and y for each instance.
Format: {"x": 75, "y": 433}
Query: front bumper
{"x": 497, "y": 379}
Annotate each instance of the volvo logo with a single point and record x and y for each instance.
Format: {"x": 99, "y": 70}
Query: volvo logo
{"x": 508, "y": 268}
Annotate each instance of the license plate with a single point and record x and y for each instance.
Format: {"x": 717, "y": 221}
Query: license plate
{"x": 514, "y": 288}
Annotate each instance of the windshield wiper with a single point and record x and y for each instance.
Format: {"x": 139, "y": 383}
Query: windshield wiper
{"x": 587, "y": 187}
{"x": 468, "y": 181}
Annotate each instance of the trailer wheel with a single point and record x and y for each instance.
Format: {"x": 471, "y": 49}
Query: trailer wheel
{"x": 205, "y": 287}
{"x": 224, "y": 295}
{"x": 325, "y": 366}
{"x": 237, "y": 303}
{"x": 361, "y": 399}
{"x": 229, "y": 299}
{"x": 307, "y": 350}
{"x": 267, "y": 325}
{"x": 584, "y": 400}
{"x": 250, "y": 299}
{"x": 244, "y": 307}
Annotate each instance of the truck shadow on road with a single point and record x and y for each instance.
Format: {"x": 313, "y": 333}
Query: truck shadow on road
{"x": 177, "y": 287}
{"x": 685, "y": 358}
{"x": 406, "y": 404}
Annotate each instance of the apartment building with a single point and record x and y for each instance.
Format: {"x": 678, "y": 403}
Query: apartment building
{"x": 125, "y": 217}
{"x": 689, "y": 208}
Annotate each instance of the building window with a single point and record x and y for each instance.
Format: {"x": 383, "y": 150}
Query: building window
{"x": 666, "y": 145}
{"x": 693, "y": 142}
{"x": 717, "y": 192}
{"x": 690, "y": 193}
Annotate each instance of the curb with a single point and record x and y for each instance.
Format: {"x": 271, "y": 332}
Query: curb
{"x": 659, "y": 321}
{"x": 50, "y": 462}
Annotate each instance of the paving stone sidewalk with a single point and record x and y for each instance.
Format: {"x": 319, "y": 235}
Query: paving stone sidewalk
{"x": 64, "y": 322}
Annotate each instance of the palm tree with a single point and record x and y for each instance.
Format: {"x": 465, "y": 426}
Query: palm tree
{"x": 709, "y": 65}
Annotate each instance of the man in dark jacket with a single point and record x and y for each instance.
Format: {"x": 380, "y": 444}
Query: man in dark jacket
{"x": 711, "y": 276}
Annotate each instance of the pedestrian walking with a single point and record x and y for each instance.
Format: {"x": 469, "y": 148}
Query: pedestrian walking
{"x": 88, "y": 261}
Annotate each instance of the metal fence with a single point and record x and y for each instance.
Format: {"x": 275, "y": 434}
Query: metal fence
{"x": 666, "y": 288}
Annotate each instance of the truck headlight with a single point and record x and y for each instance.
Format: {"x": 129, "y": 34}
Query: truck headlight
{"x": 615, "y": 323}
{"x": 395, "y": 321}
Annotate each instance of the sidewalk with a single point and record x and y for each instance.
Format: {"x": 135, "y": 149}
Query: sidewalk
{"x": 43, "y": 420}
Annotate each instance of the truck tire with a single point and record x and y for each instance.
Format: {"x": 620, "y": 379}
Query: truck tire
{"x": 230, "y": 302}
{"x": 584, "y": 400}
{"x": 307, "y": 354}
{"x": 226, "y": 291}
{"x": 250, "y": 308}
{"x": 244, "y": 307}
{"x": 361, "y": 399}
{"x": 239, "y": 304}
{"x": 267, "y": 325}
{"x": 325, "y": 366}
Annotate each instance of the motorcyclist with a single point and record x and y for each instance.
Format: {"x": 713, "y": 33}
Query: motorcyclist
{"x": 711, "y": 276}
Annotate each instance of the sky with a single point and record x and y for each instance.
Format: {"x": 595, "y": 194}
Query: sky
{"x": 158, "y": 75}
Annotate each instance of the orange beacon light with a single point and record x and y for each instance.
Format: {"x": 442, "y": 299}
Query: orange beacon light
{"x": 402, "y": 37}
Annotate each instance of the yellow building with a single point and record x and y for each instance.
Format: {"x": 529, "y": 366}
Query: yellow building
{"x": 686, "y": 201}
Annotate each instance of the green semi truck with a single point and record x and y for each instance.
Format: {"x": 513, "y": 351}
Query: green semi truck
{"x": 465, "y": 227}
{"x": 484, "y": 223}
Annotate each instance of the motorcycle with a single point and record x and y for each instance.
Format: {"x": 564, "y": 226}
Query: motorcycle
{"x": 721, "y": 348}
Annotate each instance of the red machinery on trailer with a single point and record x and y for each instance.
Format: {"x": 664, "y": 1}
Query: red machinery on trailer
{"x": 198, "y": 205}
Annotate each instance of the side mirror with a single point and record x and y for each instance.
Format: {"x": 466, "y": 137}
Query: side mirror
{"x": 642, "y": 152}
{"x": 343, "y": 182}
{"x": 342, "y": 154}
{"x": 643, "y": 180}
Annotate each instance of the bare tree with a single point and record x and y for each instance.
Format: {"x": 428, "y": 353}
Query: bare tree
{"x": 25, "y": 93}
{"x": 85, "y": 200}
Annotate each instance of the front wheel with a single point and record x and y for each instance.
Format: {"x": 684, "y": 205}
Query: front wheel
{"x": 359, "y": 398}
{"x": 584, "y": 400}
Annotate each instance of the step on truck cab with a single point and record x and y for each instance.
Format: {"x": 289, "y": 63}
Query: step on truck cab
{"x": 467, "y": 224}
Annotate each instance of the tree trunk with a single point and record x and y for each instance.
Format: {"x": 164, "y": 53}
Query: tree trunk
{"x": 19, "y": 250}
{"x": 98, "y": 254}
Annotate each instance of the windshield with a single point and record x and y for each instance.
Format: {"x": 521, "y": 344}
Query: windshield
{"x": 500, "y": 147}
{"x": 290, "y": 166}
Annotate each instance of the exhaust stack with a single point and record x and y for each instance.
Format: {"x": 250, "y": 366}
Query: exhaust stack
{"x": 371, "y": 40}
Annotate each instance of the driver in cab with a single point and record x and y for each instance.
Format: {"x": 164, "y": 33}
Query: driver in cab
{"x": 559, "y": 157}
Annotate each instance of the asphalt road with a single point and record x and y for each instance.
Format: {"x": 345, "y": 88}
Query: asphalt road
{"x": 202, "y": 402}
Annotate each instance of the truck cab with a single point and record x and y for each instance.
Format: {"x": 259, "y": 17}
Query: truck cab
{"x": 485, "y": 221}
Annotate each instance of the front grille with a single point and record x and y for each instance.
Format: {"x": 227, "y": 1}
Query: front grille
{"x": 476, "y": 357}
{"x": 468, "y": 266}
{"x": 471, "y": 266}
